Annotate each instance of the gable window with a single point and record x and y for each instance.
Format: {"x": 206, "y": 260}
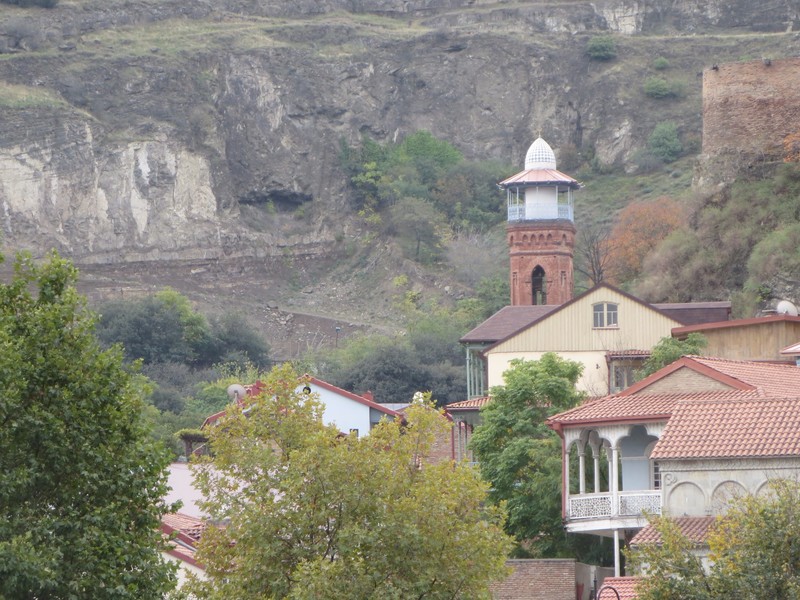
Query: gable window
{"x": 604, "y": 315}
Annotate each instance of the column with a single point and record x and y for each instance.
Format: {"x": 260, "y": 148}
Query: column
{"x": 581, "y": 469}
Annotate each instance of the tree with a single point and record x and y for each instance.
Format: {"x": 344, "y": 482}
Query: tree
{"x": 639, "y": 228}
{"x": 520, "y": 456}
{"x": 753, "y": 549}
{"x": 665, "y": 142}
{"x": 312, "y": 514}
{"x": 416, "y": 220}
{"x": 593, "y": 253}
{"x": 81, "y": 484}
{"x": 670, "y": 349}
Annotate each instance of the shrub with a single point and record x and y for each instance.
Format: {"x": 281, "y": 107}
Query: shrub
{"x": 658, "y": 87}
{"x": 664, "y": 142}
{"x": 660, "y": 63}
{"x": 601, "y": 47}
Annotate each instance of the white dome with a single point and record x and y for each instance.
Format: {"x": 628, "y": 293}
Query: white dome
{"x": 540, "y": 156}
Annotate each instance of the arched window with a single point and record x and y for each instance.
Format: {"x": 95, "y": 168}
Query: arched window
{"x": 539, "y": 286}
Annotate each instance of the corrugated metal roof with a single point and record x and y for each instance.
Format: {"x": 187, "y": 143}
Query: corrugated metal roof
{"x": 506, "y": 322}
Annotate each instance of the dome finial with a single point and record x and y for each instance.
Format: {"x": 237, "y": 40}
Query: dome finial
{"x": 540, "y": 156}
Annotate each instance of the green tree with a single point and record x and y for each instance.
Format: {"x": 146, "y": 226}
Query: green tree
{"x": 753, "y": 550}
{"x": 521, "y": 457}
{"x": 416, "y": 221}
{"x": 81, "y": 483}
{"x": 311, "y": 514}
{"x": 670, "y": 349}
{"x": 664, "y": 142}
{"x": 601, "y": 47}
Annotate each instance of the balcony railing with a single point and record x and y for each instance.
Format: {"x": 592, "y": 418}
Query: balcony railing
{"x": 607, "y": 505}
{"x": 516, "y": 212}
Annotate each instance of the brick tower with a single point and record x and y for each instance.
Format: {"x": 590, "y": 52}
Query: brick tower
{"x": 540, "y": 230}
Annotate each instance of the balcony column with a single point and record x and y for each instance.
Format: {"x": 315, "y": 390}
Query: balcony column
{"x": 581, "y": 469}
{"x": 616, "y": 553}
{"x": 613, "y": 465}
{"x": 596, "y": 460}
{"x": 565, "y": 470}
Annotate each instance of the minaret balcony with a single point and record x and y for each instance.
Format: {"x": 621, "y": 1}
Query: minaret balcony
{"x": 517, "y": 212}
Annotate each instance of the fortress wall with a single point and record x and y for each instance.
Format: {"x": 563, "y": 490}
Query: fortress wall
{"x": 751, "y": 107}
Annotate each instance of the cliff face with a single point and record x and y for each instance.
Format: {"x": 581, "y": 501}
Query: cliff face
{"x": 210, "y": 131}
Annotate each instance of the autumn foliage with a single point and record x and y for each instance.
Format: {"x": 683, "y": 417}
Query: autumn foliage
{"x": 791, "y": 147}
{"x": 640, "y": 227}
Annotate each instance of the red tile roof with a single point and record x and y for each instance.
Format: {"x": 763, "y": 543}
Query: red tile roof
{"x": 694, "y": 529}
{"x": 471, "y": 404}
{"x": 625, "y": 587}
{"x": 638, "y": 407}
{"x": 775, "y": 379}
{"x": 191, "y": 526}
{"x": 736, "y": 428}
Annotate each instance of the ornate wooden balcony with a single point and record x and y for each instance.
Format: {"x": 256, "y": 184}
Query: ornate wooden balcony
{"x": 607, "y": 505}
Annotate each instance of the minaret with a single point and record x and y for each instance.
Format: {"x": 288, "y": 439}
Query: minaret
{"x": 540, "y": 230}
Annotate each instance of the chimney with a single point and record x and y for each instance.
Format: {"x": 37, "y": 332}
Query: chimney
{"x": 368, "y": 395}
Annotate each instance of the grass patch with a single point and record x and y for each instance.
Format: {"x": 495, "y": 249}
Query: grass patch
{"x": 23, "y": 96}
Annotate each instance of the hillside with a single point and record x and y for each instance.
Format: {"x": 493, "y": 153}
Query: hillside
{"x": 196, "y": 144}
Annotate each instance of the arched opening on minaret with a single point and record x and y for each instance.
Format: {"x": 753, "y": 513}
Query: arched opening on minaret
{"x": 538, "y": 286}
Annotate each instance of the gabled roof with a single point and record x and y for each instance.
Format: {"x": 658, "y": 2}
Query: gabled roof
{"x": 694, "y": 529}
{"x": 775, "y": 379}
{"x": 744, "y": 379}
{"x": 256, "y": 388}
{"x": 511, "y": 320}
{"x": 625, "y": 587}
{"x": 735, "y": 428}
{"x": 506, "y": 321}
{"x": 575, "y": 300}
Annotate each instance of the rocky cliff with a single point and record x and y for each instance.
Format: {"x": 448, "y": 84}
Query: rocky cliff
{"x": 204, "y": 136}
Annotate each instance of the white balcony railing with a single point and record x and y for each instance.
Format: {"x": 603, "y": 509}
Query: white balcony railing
{"x": 607, "y": 505}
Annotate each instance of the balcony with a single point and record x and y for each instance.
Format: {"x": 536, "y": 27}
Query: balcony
{"x": 607, "y": 505}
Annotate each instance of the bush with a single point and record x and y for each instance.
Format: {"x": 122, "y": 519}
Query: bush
{"x": 601, "y": 47}
{"x": 664, "y": 141}
{"x": 659, "y": 88}
{"x": 660, "y": 63}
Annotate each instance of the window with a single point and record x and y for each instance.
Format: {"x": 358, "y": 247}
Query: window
{"x": 538, "y": 286}
{"x": 656, "y": 476}
{"x": 605, "y": 315}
